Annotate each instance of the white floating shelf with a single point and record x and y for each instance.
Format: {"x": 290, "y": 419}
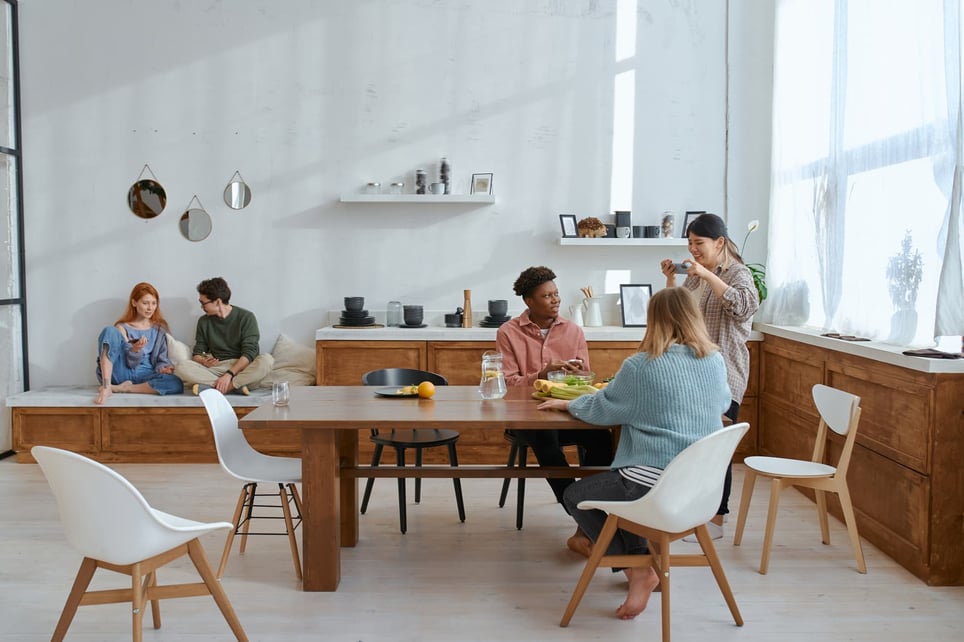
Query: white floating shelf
{"x": 418, "y": 198}
{"x": 609, "y": 242}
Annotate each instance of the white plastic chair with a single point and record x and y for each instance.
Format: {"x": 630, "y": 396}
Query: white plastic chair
{"x": 840, "y": 411}
{"x": 686, "y": 496}
{"x": 108, "y": 520}
{"x": 242, "y": 461}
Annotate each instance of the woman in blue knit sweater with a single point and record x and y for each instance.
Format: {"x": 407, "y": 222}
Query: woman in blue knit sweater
{"x": 670, "y": 394}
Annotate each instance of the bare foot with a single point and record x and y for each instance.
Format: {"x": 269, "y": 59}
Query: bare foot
{"x": 102, "y": 394}
{"x": 579, "y": 543}
{"x": 124, "y": 386}
{"x": 642, "y": 581}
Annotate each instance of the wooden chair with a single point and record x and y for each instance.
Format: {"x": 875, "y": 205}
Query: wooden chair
{"x": 243, "y": 462}
{"x": 417, "y": 439}
{"x": 683, "y": 500}
{"x": 518, "y": 453}
{"x": 108, "y": 520}
{"x": 840, "y": 411}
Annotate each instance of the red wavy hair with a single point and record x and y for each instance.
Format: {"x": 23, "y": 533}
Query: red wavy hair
{"x": 139, "y": 291}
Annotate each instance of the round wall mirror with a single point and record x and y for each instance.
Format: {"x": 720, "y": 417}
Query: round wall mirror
{"x": 146, "y": 198}
{"x": 237, "y": 194}
{"x": 195, "y": 224}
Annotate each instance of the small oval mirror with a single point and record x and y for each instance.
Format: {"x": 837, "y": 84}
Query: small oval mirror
{"x": 146, "y": 198}
{"x": 237, "y": 195}
{"x": 195, "y": 224}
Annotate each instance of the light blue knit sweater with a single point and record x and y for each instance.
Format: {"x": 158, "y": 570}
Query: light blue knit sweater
{"x": 663, "y": 405}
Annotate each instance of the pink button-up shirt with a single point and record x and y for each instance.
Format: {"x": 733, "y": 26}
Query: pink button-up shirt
{"x": 525, "y": 351}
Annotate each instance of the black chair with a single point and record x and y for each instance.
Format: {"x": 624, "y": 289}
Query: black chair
{"x": 418, "y": 439}
{"x": 518, "y": 452}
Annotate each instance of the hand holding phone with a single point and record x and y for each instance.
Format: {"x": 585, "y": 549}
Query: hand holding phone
{"x": 681, "y": 267}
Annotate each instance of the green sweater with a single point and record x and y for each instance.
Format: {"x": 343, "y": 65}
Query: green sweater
{"x": 663, "y": 405}
{"x": 228, "y": 338}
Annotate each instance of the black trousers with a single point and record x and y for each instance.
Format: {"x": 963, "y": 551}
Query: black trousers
{"x": 546, "y": 445}
{"x": 728, "y": 480}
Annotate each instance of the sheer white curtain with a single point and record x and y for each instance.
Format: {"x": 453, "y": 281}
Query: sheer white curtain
{"x": 865, "y": 211}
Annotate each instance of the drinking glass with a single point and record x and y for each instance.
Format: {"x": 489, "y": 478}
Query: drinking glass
{"x": 279, "y": 393}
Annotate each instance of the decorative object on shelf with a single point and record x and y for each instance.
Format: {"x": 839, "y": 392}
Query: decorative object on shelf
{"x": 437, "y": 188}
{"x": 758, "y": 270}
{"x": 650, "y": 231}
{"x": 373, "y": 187}
{"x": 689, "y": 218}
{"x": 638, "y": 232}
{"x": 396, "y": 188}
{"x": 420, "y": 181}
{"x": 454, "y": 320}
{"x": 575, "y": 314}
{"x": 591, "y": 227}
{"x": 623, "y": 218}
{"x": 669, "y": 224}
{"x": 623, "y": 232}
{"x": 610, "y": 231}
{"x": 444, "y": 174}
{"x": 195, "y": 223}
{"x": 498, "y": 309}
{"x": 568, "y": 223}
{"x": 634, "y": 298}
{"x": 237, "y": 194}
{"x": 146, "y": 198}
{"x": 481, "y": 184}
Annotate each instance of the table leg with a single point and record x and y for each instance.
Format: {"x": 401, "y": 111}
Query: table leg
{"x": 348, "y": 457}
{"x": 320, "y": 477}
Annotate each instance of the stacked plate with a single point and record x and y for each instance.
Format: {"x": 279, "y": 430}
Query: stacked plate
{"x": 356, "y": 318}
{"x": 493, "y": 321}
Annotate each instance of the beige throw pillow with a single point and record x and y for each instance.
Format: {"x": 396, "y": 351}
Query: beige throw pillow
{"x": 177, "y": 350}
{"x": 293, "y": 362}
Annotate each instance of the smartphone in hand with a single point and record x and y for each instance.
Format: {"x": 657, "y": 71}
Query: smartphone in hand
{"x": 681, "y": 268}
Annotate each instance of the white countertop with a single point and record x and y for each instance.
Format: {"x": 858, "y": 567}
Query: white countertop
{"x": 439, "y": 333}
{"x": 876, "y": 350}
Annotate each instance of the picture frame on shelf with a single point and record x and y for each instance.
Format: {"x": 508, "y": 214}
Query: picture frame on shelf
{"x": 634, "y": 298}
{"x": 689, "y": 218}
{"x": 568, "y": 223}
{"x": 481, "y": 184}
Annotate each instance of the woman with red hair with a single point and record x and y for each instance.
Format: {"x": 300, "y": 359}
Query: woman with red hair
{"x": 133, "y": 352}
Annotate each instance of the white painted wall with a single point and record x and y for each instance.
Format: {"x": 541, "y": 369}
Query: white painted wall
{"x": 311, "y": 99}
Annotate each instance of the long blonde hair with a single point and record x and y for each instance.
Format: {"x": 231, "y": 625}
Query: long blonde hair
{"x": 674, "y": 317}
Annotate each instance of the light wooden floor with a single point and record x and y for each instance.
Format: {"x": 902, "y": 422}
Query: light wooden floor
{"x": 482, "y": 580}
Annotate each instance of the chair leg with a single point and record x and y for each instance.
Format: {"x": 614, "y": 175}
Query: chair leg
{"x": 505, "y": 482}
{"x": 230, "y": 539}
{"x": 454, "y": 461}
{"x": 155, "y": 603}
{"x": 290, "y": 528}
{"x": 709, "y": 550}
{"x": 137, "y": 603}
{"x": 776, "y": 486}
{"x": 520, "y": 498}
{"x": 848, "y": 511}
{"x": 200, "y": 560}
{"x": 598, "y": 550}
{"x": 820, "y": 498}
{"x": 418, "y": 480}
{"x": 84, "y": 574}
{"x": 664, "y": 584}
{"x": 749, "y": 480}
{"x": 252, "y": 495}
{"x": 376, "y": 458}
{"x": 402, "y": 515}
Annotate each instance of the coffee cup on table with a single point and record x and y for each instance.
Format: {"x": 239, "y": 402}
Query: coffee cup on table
{"x": 413, "y": 314}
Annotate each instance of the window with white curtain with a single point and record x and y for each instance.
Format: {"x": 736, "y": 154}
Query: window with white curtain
{"x": 865, "y": 212}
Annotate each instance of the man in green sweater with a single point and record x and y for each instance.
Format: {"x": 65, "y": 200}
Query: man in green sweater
{"x": 226, "y": 345}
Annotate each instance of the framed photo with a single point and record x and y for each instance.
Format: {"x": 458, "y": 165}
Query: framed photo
{"x": 568, "y": 222}
{"x": 635, "y": 301}
{"x": 689, "y": 218}
{"x": 481, "y": 184}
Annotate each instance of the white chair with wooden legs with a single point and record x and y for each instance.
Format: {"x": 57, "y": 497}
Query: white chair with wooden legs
{"x": 686, "y": 496}
{"x": 108, "y": 520}
{"x": 240, "y": 460}
{"x": 840, "y": 411}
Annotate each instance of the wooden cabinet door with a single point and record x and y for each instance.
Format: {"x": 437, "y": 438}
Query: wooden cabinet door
{"x": 458, "y": 361}
{"x": 342, "y": 363}
{"x": 605, "y": 357}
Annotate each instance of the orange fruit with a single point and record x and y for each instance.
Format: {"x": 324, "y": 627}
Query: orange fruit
{"x": 426, "y": 389}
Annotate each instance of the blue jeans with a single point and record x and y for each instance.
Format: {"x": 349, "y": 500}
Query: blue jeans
{"x": 162, "y": 384}
{"x": 609, "y": 486}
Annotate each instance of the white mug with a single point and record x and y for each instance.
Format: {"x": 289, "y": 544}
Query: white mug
{"x": 437, "y": 188}
{"x": 624, "y": 232}
{"x": 279, "y": 393}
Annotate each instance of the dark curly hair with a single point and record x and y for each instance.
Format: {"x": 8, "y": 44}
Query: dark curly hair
{"x": 216, "y": 288}
{"x": 531, "y": 278}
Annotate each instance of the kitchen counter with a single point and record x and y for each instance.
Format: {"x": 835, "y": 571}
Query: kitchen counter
{"x": 437, "y": 333}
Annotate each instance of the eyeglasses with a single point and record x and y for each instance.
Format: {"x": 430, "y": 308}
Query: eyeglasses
{"x": 204, "y": 303}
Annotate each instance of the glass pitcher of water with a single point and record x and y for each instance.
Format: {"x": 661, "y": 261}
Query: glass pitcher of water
{"x": 492, "y": 385}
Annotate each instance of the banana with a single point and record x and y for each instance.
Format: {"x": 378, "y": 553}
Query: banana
{"x": 544, "y": 385}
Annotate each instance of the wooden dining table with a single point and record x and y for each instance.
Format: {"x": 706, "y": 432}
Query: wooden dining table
{"x": 329, "y": 418}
